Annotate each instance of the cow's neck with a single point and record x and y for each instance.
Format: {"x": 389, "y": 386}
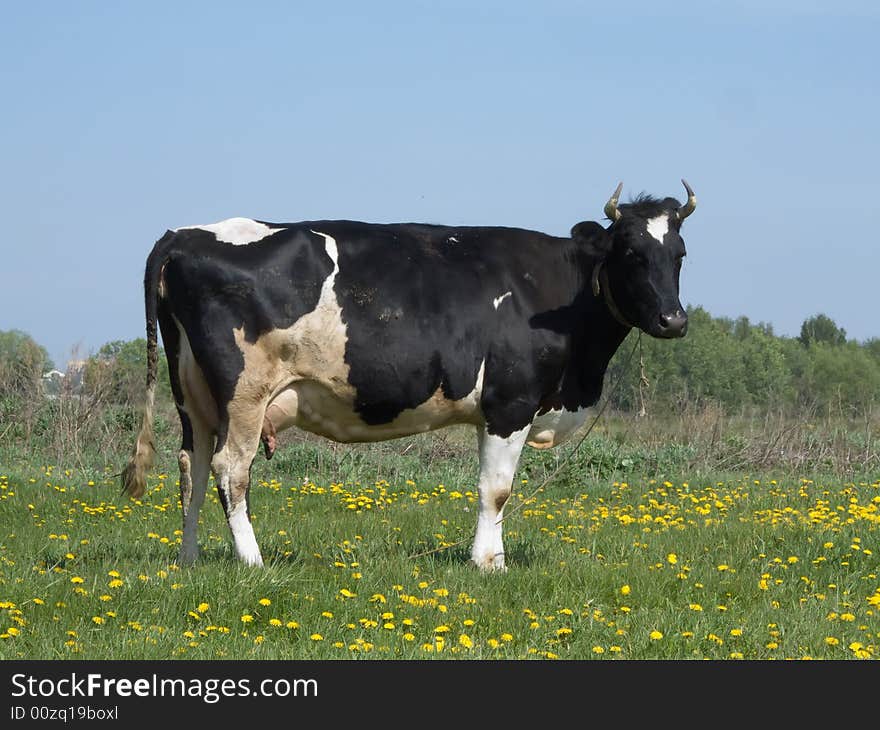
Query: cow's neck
{"x": 595, "y": 340}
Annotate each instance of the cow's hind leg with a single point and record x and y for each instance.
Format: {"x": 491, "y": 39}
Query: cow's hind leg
{"x": 231, "y": 464}
{"x": 499, "y": 457}
{"x": 194, "y": 461}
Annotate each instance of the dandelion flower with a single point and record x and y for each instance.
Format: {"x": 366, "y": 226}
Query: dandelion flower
{"x": 655, "y": 635}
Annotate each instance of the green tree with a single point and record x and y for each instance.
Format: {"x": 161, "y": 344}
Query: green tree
{"x": 821, "y": 328}
{"x": 842, "y": 378}
{"x": 22, "y": 363}
{"x": 118, "y": 373}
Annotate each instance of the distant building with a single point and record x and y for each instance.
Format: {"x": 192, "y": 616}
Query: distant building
{"x": 56, "y": 383}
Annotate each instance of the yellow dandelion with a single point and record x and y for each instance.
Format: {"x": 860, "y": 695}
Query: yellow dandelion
{"x": 274, "y": 622}
{"x": 347, "y": 593}
{"x": 247, "y": 618}
{"x": 672, "y": 558}
{"x": 77, "y": 579}
{"x": 316, "y": 637}
{"x": 466, "y": 641}
{"x": 625, "y": 590}
{"x": 202, "y": 607}
{"x": 264, "y": 602}
{"x": 292, "y": 625}
{"x": 655, "y": 635}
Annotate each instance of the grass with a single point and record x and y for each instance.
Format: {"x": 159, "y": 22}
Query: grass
{"x": 637, "y": 550}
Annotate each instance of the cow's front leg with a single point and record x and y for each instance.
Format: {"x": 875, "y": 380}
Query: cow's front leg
{"x": 499, "y": 457}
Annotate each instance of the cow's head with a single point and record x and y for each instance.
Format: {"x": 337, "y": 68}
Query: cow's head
{"x": 637, "y": 261}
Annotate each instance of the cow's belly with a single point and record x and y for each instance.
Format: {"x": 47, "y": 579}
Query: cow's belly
{"x": 554, "y": 427}
{"x": 316, "y": 408}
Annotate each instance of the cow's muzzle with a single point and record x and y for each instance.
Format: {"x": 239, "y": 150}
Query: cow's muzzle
{"x": 673, "y": 325}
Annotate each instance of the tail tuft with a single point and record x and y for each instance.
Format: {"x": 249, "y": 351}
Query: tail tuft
{"x": 134, "y": 476}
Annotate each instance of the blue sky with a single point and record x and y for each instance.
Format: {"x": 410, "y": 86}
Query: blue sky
{"x": 121, "y": 120}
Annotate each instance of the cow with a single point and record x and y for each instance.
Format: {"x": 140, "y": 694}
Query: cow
{"x": 362, "y": 332}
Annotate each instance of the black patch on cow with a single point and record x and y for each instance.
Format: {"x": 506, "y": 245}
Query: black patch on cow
{"x": 417, "y": 312}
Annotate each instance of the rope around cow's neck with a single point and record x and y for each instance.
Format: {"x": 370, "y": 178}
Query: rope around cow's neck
{"x": 562, "y": 464}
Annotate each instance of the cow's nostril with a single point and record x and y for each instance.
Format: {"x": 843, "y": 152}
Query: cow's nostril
{"x": 664, "y": 321}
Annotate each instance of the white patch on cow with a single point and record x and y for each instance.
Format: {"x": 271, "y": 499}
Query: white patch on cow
{"x": 300, "y": 370}
{"x": 658, "y": 227}
{"x": 332, "y": 251}
{"x": 237, "y": 231}
{"x": 553, "y": 427}
{"x": 243, "y": 534}
{"x": 452, "y": 239}
{"x": 499, "y": 457}
{"x": 497, "y": 300}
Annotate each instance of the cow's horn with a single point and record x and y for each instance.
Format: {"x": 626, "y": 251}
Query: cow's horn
{"x": 611, "y": 210}
{"x": 688, "y": 207}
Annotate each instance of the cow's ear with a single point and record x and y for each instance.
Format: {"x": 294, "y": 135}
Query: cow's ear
{"x": 593, "y": 237}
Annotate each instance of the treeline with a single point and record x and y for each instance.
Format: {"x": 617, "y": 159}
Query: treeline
{"x": 731, "y": 366}
{"x": 737, "y": 365}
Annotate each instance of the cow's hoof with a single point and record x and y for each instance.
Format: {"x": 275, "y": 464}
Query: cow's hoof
{"x": 492, "y": 563}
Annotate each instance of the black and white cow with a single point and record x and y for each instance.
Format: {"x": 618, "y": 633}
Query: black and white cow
{"x": 365, "y": 332}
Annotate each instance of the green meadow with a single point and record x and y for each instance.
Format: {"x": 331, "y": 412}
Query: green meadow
{"x": 643, "y": 545}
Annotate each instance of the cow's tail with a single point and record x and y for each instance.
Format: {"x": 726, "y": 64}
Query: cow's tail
{"x": 134, "y": 476}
